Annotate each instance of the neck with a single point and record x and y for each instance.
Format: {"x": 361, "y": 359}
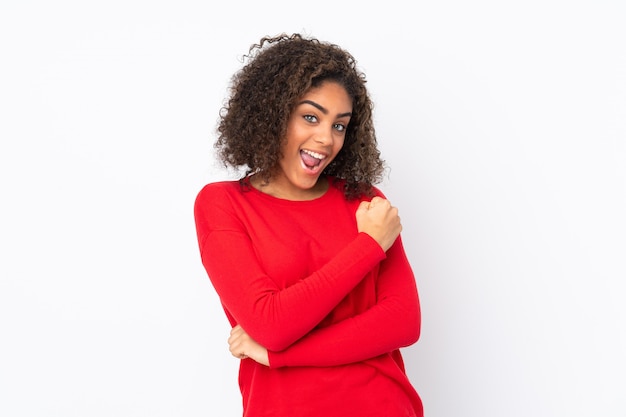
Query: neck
{"x": 274, "y": 189}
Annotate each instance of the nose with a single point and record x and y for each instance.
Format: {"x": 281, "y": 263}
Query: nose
{"x": 324, "y": 135}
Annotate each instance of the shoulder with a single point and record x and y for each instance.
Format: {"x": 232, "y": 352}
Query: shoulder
{"x": 218, "y": 196}
{"x": 340, "y": 184}
{"x": 218, "y": 206}
{"x": 378, "y": 192}
{"x": 218, "y": 190}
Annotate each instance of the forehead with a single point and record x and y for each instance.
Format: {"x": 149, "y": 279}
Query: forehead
{"x": 329, "y": 94}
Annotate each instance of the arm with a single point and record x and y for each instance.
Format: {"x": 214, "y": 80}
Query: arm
{"x": 275, "y": 317}
{"x": 393, "y": 322}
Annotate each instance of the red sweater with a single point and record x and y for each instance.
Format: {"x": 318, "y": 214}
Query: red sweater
{"x": 328, "y": 303}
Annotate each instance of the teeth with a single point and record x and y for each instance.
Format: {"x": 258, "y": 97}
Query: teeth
{"x": 314, "y": 154}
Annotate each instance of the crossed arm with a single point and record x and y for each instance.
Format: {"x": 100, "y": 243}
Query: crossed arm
{"x": 393, "y": 322}
{"x": 287, "y": 335}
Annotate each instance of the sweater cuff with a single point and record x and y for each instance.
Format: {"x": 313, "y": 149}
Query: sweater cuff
{"x": 371, "y": 244}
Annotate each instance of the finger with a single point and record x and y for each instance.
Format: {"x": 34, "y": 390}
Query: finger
{"x": 235, "y": 348}
{"x": 240, "y": 355}
{"x": 380, "y": 203}
{"x": 376, "y": 200}
{"x": 235, "y": 334}
{"x": 364, "y": 205}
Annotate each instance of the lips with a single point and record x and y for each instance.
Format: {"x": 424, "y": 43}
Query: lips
{"x": 310, "y": 159}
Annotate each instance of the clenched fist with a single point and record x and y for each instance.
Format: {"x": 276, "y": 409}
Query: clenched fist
{"x": 379, "y": 219}
{"x": 242, "y": 346}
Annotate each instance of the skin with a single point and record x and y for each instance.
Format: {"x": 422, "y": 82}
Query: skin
{"x": 317, "y": 125}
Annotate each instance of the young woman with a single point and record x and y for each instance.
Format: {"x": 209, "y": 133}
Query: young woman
{"x": 304, "y": 251}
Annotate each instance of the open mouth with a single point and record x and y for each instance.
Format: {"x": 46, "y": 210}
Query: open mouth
{"x": 311, "y": 160}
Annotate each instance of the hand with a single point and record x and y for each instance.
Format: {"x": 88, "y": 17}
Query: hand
{"x": 242, "y": 346}
{"x": 379, "y": 219}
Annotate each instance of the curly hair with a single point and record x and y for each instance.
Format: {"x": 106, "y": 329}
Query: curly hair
{"x": 277, "y": 72}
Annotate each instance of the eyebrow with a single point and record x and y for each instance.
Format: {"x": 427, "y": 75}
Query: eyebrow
{"x": 324, "y": 110}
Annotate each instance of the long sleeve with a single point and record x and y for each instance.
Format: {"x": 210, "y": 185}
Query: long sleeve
{"x": 273, "y": 315}
{"x": 393, "y": 322}
{"x": 304, "y": 283}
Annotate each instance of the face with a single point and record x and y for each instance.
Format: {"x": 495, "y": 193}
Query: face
{"x": 315, "y": 134}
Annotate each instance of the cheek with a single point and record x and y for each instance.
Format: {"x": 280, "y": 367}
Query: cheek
{"x": 339, "y": 144}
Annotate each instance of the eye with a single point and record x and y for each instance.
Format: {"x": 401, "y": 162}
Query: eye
{"x": 310, "y": 118}
{"x": 339, "y": 127}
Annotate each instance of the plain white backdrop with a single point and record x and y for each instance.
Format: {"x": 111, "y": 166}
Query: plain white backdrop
{"x": 504, "y": 127}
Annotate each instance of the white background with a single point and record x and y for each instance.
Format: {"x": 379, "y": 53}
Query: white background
{"x": 503, "y": 123}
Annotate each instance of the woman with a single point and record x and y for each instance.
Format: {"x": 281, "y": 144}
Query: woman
{"x": 304, "y": 251}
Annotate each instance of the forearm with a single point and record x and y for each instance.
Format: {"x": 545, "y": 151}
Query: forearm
{"x": 377, "y": 331}
{"x": 276, "y": 317}
{"x": 393, "y": 322}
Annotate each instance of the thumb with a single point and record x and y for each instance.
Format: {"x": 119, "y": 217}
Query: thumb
{"x": 363, "y": 206}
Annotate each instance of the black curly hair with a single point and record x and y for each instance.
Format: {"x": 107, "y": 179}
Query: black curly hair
{"x": 277, "y": 72}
